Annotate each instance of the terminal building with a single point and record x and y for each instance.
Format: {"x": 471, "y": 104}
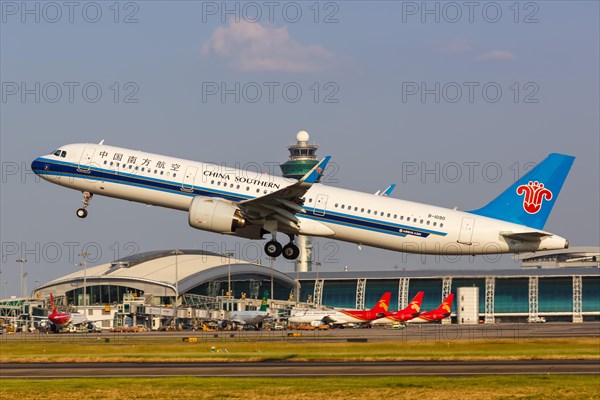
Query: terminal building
{"x": 141, "y": 289}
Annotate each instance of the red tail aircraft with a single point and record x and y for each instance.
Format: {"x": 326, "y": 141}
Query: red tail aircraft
{"x": 443, "y": 311}
{"x": 343, "y": 317}
{"x": 62, "y": 320}
{"x": 379, "y": 310}
{"x": 411, "y": 311}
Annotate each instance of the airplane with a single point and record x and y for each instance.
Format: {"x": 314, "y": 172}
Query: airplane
{"x": 341, "y": 317}
{"x": 409, "y": 312}
{"x": 250, "y": 205}
{"x": 443, "y": 311}
{"x": 64, "y": 320}
{"x": 254, "y": 318}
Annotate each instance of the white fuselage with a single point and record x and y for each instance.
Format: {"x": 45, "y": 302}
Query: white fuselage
{"x": 342, "y": 214}
{"x": 315, "y": 317}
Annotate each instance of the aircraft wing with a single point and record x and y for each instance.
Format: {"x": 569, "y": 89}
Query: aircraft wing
{"x": 283, "y": 204}
{"x": 532, "y": 236}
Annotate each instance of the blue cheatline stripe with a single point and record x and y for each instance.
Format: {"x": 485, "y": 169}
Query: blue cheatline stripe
{"x": 67, "y": 169}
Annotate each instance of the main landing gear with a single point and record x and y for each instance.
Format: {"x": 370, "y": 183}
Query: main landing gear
{"x": 82, "y": 212}
{"x": 274, "y": 249}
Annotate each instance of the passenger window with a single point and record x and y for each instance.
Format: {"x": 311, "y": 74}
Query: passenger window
{"x": 441, "y": 225}
{"x": 421, "y": 221}
{"x": 434, "y": 223}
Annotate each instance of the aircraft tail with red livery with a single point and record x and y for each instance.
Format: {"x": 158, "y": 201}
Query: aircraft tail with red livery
{"x": 443, "y": 311}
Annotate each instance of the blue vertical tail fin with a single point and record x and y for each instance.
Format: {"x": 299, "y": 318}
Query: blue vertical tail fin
{"x": 530, "y": 199}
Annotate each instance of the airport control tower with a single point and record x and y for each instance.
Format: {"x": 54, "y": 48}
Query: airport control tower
{"x": 302, "y": 159}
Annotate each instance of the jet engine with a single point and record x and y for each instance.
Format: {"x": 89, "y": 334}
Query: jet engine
{"x": 215, "y": 215}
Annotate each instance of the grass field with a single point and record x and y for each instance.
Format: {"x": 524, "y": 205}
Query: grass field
{"x": 174, "y": 350}
{"x": 430, "y": 388}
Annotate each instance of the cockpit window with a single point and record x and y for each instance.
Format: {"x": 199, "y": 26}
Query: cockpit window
{"x": 63, "y": 154}
{"x": 56, "y": 153}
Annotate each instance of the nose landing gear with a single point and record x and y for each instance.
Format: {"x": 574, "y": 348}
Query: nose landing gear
{"x": 82, "y": 212}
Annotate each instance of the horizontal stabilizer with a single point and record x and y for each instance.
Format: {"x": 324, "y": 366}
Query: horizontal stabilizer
{"x": 532, "y": 236}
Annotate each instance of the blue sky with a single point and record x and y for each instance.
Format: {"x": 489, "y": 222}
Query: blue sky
{"x": 357, "y": 68}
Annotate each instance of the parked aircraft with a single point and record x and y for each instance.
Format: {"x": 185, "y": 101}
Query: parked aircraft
{"x": 443, "y": 311}
{"x": 246, "y": 204}
{"x": 343, "y": 316}
{"x": 409, "y": 312}
{"x": 64, "y": 320}
{"x": 254, "y": 318}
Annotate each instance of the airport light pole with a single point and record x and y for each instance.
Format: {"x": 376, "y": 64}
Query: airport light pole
{"x": 229, "y": 255}
{"x": 21, "y": 261}
{"x": 25, "y": 275}
{"x": 272, "y": 259}
{"x": 2, "y": 256}
{"x": 176, "y": 253}
{"x": 84, "y": 255}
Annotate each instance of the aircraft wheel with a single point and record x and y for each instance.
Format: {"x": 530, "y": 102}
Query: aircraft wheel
{"x": 291, "y": 251}
{"x": 273, "y": 249}
{"x": 82, "y": 213}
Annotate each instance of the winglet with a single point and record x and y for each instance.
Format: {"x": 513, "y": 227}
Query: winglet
{"x": 314, "y": 174}
{"x": 389, "y": 190}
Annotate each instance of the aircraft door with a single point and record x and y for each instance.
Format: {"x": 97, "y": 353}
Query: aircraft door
{"x": 466, "y": 231}
{"x": 320, "y": 204}
{"x": 187, "y": 184}
{"x": 85, "y": 161}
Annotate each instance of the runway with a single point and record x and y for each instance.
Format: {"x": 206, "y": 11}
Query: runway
{"x": 300, "y": 369}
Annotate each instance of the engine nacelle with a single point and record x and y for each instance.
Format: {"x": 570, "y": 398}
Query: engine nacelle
{"x": 215, "y": 215}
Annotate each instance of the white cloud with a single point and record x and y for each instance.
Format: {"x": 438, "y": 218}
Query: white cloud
{"x": 252, "y": 47}
{"x": 495, "y": 55}
{"x": 456, "y": 46}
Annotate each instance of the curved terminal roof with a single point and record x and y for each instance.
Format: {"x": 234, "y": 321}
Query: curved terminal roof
{"x": 192, "y": 267}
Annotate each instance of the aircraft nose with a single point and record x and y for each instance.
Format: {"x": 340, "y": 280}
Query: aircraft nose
{"x": 38, "y": 166}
